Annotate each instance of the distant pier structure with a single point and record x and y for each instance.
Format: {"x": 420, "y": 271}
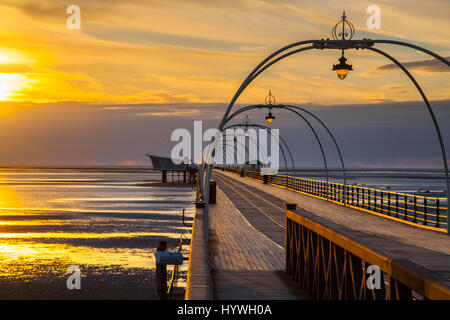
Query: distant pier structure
{"x": 180, "y": 171}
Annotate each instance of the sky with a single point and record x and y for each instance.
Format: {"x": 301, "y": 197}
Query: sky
{"x": 115, "y": 89}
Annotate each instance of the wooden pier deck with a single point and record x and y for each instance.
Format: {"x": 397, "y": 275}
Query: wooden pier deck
{"x": 424, "y": 251}
{"x": 329, "y": 249}
{"x": 246, "y": 247}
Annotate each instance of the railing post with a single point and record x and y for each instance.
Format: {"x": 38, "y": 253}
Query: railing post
{"x": 425, "y": 222}
{"x": 406, "y": 207}
{"x": 389, "y": 204}
{"x": 396, "y": 205}
{"x": 161, "y": 274}
{"x": 437, "y": 213}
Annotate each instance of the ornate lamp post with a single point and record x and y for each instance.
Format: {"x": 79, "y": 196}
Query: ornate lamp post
{"x": 342, "y": 68}
{"x": 270, "y": 100}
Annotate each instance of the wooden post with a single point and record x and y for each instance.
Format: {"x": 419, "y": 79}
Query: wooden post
{"x": 161, "y": 274}
{"x": 164, "y": 176}
{"x": 184, "y": 176}
{"x": 212, "y": 192}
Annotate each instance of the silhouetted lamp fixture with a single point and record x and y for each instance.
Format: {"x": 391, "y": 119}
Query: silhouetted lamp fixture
{"x": 246, "y": 123}
{"x": 342, "y": 68}
{"x": 270, "y": 117}
{"x": 343, "y": 30}
{"x": 270, "y": 100}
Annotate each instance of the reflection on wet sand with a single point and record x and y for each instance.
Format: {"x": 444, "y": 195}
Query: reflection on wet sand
{"x": 107, "y": 223}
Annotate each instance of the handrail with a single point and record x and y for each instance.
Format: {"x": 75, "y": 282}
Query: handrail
{"x": 175, "y": 267}
{"x": 421, "y": 211}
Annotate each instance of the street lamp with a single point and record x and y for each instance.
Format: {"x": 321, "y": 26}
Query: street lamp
{"x": 270, "y": 100}
{"x": 246, "y": 124}
{"x": 342, "y": 68}
{"x": 270, "y": 117}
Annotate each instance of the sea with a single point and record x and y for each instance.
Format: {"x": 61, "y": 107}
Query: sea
{"x": 88, "y": 233}
{"x": 103, "y": 225}
{"x": 425, "y": 182}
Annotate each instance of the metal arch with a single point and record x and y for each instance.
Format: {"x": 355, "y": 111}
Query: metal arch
{"x": 319, "y": 44}
{"x": 276, "y": 60}
{"x": 298, "y": 114}
{"x": 282, "y": 106}
{"x": 270, "y": 131}
{"x": 246, "y": 149}
{"x": 335, "y": 144}
{"x": 435, "y": 123}
{"x": 409, "y": 45}
{"x": 252, "y": 140}
{"x": 318, "y": 141}
{"x": 244, "y": 83}
{"x": 225, "y": 149}
{"x": 263, "y": 66}
{"x": 257, "y": 145}
{"x": 259, "y": 148}
{"x": 286, "y": 107}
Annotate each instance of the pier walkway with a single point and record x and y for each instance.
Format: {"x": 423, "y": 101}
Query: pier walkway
{"x": 258, "y": 249}
{"x": 246, "y": 247}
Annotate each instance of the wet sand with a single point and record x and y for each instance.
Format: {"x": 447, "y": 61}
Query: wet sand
{"x": 106, "y": 223}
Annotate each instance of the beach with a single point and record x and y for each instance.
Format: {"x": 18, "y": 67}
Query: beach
{"x": 106, "y": 221}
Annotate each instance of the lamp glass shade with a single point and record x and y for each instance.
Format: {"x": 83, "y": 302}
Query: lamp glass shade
{"x": 342, "y": 73}
{"x": 342, "y": 68}
{"x": 270, "y": 118}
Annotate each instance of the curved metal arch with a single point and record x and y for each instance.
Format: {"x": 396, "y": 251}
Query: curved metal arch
{"x": 244, "y": 85}
{"x": 226, "y": 146}
{"x": 251, "y": 76}
{"x": 270, "y": 132}
{"x": 298, "y": 114}
{"x": 252, "y": 140}
{"x": 281, "y": 106}
{"x": 318, "y": 141}
{"x": 257, "y": 145}
{"x": 433, "y": 118}
{"x": 413, "y": 46}
{"x": 307, "y": 122}
{"x": 265, "y": 154}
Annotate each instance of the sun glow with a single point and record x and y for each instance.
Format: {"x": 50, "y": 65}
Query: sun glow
{"x": 10, "y": 84}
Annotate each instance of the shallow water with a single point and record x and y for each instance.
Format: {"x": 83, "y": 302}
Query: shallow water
{"x": 106, "y": 222}
{"x": 421, "y": 182}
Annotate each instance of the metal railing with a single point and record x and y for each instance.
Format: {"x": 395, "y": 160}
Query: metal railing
{"x": 174, "y": 277}
{"x": 421, "y": 211}
{"x": 336, "y": 263}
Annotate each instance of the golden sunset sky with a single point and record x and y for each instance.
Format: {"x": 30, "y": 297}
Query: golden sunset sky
{"x": 180, "y": 57}
{"x": 145, "y": 51}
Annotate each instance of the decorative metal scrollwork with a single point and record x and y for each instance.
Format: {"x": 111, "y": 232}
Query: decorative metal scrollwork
{"x": 270, "y": 99}
{"x": 343, "y": 30}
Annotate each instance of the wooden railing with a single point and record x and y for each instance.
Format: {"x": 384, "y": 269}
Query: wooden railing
{"x": 421, "y": 211}
{"x": 198, "y": 285}
{"x": 332, "y": 262}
